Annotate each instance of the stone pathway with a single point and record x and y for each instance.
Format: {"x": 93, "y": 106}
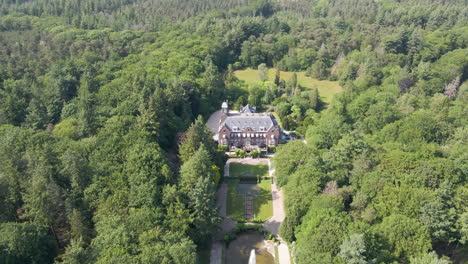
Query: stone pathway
{"x": 273, "y": 224}
{"x": 228, "y": 224}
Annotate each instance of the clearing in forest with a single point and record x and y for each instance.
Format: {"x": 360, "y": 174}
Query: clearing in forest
{"x": 326, "y": 88}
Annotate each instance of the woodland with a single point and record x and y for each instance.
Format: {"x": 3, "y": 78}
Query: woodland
{"x": 105, "y": 156}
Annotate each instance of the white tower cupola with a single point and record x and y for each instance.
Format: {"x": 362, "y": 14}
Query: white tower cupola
{"x": 225, "y": 107}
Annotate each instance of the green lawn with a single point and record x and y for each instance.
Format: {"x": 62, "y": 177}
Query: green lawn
{"x": 246, "y": 170}
{"x": 263, "y": 203}
{"x": 326, "y": 88}
{"x": 235, "y": 201}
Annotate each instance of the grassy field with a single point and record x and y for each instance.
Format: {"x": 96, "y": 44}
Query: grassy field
{"x": 326, "y": 88}
{"x": 263, "y": 202}
{"x": 235, "y": 201}
{"x": 245, "y": 170}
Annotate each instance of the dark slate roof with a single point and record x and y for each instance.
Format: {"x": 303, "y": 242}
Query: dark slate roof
{"x": 248, "y": 109}
{"x": 257, "y": 122}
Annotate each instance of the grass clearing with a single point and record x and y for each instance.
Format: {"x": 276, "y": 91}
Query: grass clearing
{"x": 263, "y": 202}
{"x": 248, "y": 171}
{"x": 235, "y": 201}
{"x": 326, "y": 88}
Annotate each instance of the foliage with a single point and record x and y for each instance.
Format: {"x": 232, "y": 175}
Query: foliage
{"x": 241, "y": 153}
{"x": 255, "y": 153}
{"x": 95, "y": 97}
{"x": 240, "y": 228}
{"x": 429, "y": 258}
{"x": 353, "y": 249}
{"x": 25, "y": 243}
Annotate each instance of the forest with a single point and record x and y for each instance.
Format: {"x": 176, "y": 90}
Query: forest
{"x": 105, "y": 156}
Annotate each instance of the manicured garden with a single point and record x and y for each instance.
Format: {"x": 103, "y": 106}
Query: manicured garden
{"x": 263, "y": 204}
{"x": 235, "y": 201}
{"x": 247, "y": 170}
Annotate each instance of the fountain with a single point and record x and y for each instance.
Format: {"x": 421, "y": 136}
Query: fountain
{"x": 240, "y": 250}
{"x": 252, "y": 259}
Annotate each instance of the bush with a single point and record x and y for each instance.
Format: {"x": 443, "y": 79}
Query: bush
{"x": 240, "y": 153}
{"x": 230, "y": 236}
{"x": 271, "y": 149}
{"x": 223, "y": 148}
{"x": 255, "y": 154}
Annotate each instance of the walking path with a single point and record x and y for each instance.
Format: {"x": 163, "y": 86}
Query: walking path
{"x": 227, "y": 225}
{"x": 271, "y": 225}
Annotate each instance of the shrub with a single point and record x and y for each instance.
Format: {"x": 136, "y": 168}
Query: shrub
{"x": 271, "y": 149}
{"x": 230, "y": 236}
{"x": 223, "y": 148}
{"x": 255, "y": 154}
{"x": 240, "y": 153}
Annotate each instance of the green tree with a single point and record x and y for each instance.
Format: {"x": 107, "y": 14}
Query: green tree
{"x": 288, "y": 158}
{"x": 37, "y": 114}
{"x": 353, "y": 249}
{"x": 327, "y": 130}
{"x": 429, "y": 258}
{"x": 198, "y": 134}
{"x": 462, "y": 225}
{"x": 13, "y": 101}
{"x": 25, "y": 243}
{"x": 439, "y": 215}
{"x": 404, "y": 236}
{"x": 147, "y": 170}
{"x": 196, "y": 167}
{"x": 277, "y": 77}
{"x": 318, "y": 70}
{"x": 75, "y": 253}
{"x": 202, "y": 202}
{"x": 263, "y": 72}
{"x": 314, "y": 99}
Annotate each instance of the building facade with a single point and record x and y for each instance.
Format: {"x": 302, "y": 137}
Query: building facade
{"x": 247, "y": 129}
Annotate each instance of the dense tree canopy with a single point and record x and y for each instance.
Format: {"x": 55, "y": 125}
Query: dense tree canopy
{"x": 104, "y": 155}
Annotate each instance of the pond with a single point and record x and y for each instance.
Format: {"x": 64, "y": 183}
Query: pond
{"x": 238, "y": 251}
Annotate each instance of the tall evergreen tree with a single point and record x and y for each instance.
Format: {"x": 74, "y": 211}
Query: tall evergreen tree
{"x": 198, "y": 134}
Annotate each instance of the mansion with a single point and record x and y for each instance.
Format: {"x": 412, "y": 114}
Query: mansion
{"x": 247, "y": 129}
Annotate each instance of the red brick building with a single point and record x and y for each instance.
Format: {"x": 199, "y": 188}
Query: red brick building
{"x": 247, "y": 129}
